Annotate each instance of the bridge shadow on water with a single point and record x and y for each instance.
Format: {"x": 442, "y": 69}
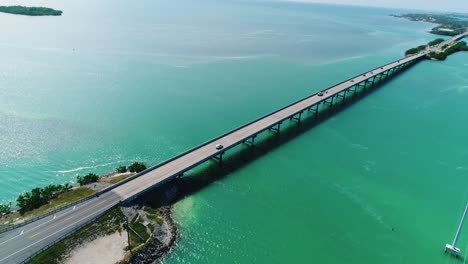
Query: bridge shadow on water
{"x": 242, "y": 155}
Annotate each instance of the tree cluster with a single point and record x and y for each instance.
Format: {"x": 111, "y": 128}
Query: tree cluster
{"x": 39, "y": 196}
{"x": 460, "y": 46}
{"x": 30, "y": 11}
{"x": 5, "y": 208}
{"x": 121, "y": 169}
{"x": 415, "y": 50}
{"x": 91, "y": 177}
{"x": 435, "y": 42}
{"x": 137, "y": 167}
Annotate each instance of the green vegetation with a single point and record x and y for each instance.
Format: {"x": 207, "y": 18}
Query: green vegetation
{"x": 155, "y": 218}
{"x": 39, "y": 196}
{"x": 87, "y": 179}
{"x": 447, "y": 49}
{"x": 137, "y": 167}
{"x": 104, "y": 225}
{"x": 61, "y": 200}
{"x": 30, "y": 11}
{"x": 152, "y": 214}
{"x": 415, "y": 50}
{"x": 435, "y": 42}
{"x": 117, "y": 179}
{"x": 150, "y": 209}
{"x": 151, "y": 227}
{"x": 458, "y": 46}
{"x": 5, "y": 208}
{"x": 448, "y": 25}
{"x": 137, "y": 225}
{"x": 121, "y": 169}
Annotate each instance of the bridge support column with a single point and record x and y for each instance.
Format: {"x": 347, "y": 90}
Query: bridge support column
{"x": 353, "y": 89}
{"x": 330, "y": 103}
{"x": 342, "y": 95}
{"x": 218, "y": 157}
{"x": 379, "y": 77}
{"x": 315, "y": 109}
{"x": 385, "y": 74}
{"x": 276, "y": 128}
{"x": 250, "y": 141}
{"x": 296, "y": 118}
{"x": 361, "y": 85}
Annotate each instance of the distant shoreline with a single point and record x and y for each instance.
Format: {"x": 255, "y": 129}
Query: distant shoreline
{"x": 447, "y": 25}
{"x": 30, "y": 11}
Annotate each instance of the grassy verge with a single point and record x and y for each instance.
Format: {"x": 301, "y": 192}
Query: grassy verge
{"x": 104, "y": 225}
{"x": 62, "y": 200}
{"x": 120, "y": 178}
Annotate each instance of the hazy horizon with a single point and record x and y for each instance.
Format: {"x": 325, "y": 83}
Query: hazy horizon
{"x": 422, "y": 5}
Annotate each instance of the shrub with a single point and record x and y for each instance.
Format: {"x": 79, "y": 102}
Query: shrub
{"x": 435, "y": 42}
{"x": 87, "y": 179}
{"x": 38, "y": 196}
{"x": 5, "y": 208}
{"x": 137, "y": 167}
{"x": 121, "y": 169}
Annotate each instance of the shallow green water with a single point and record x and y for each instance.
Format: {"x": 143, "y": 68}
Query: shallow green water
{"x": 149, "y": 80}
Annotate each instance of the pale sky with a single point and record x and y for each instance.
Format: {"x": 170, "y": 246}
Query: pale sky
{"x": 435, "y": 5}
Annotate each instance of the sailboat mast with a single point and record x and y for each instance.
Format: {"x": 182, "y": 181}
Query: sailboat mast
{"x": 460, "y": 226}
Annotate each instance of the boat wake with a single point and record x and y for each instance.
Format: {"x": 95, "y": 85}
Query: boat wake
{"x": 88, "y": 167}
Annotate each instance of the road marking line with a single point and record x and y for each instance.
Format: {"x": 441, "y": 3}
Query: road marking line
{"x": 68, "y": 219}
{"x": 55, "y": 216}
{"x": 22, "y": 231}
{"x": 30, "y": 245}
{"x": 65, "y": 212}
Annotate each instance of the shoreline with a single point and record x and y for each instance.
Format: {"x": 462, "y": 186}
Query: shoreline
{"x": 162, "y": 244}
{"x": 445, "y": 25}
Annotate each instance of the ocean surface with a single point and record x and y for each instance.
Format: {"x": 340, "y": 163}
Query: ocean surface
{"x": 112, "y": 82}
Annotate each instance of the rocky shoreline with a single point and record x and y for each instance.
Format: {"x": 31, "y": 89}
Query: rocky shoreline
{"x": 164, "y": 240}
{"x": 166, "y": 232}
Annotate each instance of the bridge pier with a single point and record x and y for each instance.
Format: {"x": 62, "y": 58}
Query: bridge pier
{"x": 330, "y": 103}
{"x": 276, "y": 128}
{"x": 298, "y": 118}
{"x": 250, "y": 141}
{"x": 218, "y": 157}
{"x": 352, "y": 89}
{"x": 342, "y": 95}
{"x": 362, "y": 85}
{"x": 314, "y": 108}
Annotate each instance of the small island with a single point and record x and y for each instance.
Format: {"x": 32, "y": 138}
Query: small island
{"x": 30, "y": 11}
{"x": 439, "y": 51}
{"x": 448, "y": 24}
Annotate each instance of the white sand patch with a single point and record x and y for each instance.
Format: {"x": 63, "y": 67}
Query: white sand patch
{"x": 103, "y": 250}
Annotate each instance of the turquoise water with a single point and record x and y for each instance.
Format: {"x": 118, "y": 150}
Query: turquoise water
{"x": 124, "y": 81}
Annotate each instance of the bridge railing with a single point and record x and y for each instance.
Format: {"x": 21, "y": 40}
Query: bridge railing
{"x": 65, "y": 235}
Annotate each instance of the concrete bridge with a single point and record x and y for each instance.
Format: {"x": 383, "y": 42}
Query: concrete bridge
{"x": 23, "y": 242}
